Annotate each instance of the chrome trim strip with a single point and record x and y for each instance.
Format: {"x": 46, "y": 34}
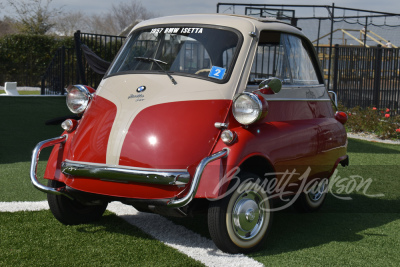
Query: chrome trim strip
{"x": 35, "y": 160}
{"x": 125, "y": 167}
{"x": 289, "y": 87}
{"x": 196, "y": 179}
{"x": 124, "y": 174}
{"x": 298, "y": 99}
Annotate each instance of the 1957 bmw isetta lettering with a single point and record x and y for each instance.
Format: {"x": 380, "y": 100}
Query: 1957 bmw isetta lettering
{"x": 200, "y": 112}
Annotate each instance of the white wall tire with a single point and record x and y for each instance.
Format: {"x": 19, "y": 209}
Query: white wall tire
{"x": 313, "y": 199}
{"x": 240, "y": 222}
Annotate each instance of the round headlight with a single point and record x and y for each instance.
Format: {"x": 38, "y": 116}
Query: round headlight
{"x": 77, "y": 98}
{"x": 247, "y": 108}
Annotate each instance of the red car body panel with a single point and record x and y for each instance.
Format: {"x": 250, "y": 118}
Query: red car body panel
{"x": 89, "y": 143}
{"x": 313, "y": 126}
{"x": 162, "y": 136}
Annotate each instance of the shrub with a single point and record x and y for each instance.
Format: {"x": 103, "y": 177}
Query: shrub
{"x": 24, "y": 58}
{"x": 372, "y": 120}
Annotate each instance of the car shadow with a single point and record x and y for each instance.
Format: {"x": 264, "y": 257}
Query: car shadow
{"x": 361, "y": 146}
{"x": 337, "y": 221}
{"x": 112, "y": 223}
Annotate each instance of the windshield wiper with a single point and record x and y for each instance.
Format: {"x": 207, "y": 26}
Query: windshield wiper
{"x": 157, "y": 61}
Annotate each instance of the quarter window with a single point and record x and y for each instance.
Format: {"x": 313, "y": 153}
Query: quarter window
{"x": 284, "y": 56}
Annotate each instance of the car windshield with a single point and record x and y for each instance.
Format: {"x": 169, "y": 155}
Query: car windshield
{"x": 203, "y": 52}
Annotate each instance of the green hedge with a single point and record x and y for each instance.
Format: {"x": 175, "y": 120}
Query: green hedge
{"x": 24, "y": 58}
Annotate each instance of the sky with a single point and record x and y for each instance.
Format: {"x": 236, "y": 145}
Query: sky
{"x": 175, "y": 7}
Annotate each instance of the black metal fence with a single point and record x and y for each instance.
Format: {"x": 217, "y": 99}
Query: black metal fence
{"x": 105, "y": 46}
{"x": 323, "y": 56}
{"x": 69, "y": 65}
{"x": 367, "y": 77}
{"x": 60, "y": 73}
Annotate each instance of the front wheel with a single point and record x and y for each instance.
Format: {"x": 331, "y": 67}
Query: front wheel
{"x": 71, "y": 212}
{"x": 240, "y": 222}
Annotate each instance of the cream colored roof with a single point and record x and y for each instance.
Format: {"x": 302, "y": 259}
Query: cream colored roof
{"x": 239, "y": 22}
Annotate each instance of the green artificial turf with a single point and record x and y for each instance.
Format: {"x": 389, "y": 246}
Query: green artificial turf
{"x": 15, "y": 183}
{"x": 37, "y": 239}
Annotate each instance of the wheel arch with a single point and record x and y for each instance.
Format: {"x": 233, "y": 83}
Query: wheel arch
{"x": 257, "y": 164}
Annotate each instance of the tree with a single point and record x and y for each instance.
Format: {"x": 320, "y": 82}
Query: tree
{"x": 119, "y": 18}
{"x": 7, "y": 26}
{"x": 70, "y": 22}
{"x": 34, "y": 16}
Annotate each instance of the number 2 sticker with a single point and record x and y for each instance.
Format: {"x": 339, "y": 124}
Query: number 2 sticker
{"x": 217, "y": 72}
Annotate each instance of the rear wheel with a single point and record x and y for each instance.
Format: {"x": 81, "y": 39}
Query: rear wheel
{"x": 313, "y": 199}
{"x": 72, "y": 212}
{"x": 240, "y": 222}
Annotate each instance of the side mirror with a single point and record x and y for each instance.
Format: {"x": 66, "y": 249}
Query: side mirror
{"x": 270, "y": 86}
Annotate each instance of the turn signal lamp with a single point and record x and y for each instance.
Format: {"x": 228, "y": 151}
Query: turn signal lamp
{"x": 69, "y": 125}
{"x": 228, "y": 137}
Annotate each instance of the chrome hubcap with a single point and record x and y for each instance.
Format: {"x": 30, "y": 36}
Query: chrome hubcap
{"x": 247, "y": 215}
{"x": 317, "y": 192}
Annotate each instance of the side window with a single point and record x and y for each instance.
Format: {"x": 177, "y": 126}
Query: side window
{"x": 283, "y": 56}
{"x": 227, "y": 57}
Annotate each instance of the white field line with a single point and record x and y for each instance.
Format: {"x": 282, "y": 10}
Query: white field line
{"x": 23, "y": 206}
{"x": 176, "y": 236}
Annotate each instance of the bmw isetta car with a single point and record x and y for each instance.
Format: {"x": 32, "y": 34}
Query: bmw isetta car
{"x": 221, "y": 113}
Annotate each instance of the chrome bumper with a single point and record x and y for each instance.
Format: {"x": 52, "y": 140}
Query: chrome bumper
{"x": 35, "y": 160}
{"x": 123, "y": 174}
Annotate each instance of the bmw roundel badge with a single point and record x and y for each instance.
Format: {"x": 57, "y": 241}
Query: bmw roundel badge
{"x": 141, "y": 89}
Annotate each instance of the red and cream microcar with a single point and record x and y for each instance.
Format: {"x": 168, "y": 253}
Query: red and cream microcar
{"x": 200, "y": 112}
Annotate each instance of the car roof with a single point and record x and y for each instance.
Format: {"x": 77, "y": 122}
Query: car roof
{"x": 239, "y": 22}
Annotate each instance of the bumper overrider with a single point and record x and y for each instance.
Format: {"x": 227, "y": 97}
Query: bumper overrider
{"x": 122, "y": 174}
